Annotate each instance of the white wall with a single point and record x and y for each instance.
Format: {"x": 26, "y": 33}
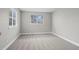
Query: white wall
{"x": 65, "y": 23}
{"x": 8, "y": 34}
{"x": 28, "y": 27}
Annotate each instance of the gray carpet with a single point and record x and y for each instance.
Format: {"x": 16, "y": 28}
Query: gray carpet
{"x": 41, "y": 42}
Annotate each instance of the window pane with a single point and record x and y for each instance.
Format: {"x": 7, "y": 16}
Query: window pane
{"x": 10, "y": 14}
{"x": 14, "y": 12}
{"x": 14, "y": 22}
{"x": 33, "y": 19}
{"x": 40, "y": 19}
{"x": 10, "y": 21}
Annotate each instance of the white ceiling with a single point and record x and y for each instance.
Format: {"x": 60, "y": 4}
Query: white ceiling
{"x": 38, "y": 9}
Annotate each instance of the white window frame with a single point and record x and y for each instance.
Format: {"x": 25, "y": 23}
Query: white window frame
{"x": 12, "y": 10}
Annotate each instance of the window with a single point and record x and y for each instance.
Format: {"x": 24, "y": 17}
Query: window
{"x": 36, "y": 19}
{"x": 12, "y": 18}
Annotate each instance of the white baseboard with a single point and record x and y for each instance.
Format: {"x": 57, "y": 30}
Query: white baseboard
{"x": 75, "y": 43}
{"x": 36, "y": 33}
{"x": 11, "y": 42}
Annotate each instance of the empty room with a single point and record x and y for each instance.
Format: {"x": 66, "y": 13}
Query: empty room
{"x": 39, "y": 28}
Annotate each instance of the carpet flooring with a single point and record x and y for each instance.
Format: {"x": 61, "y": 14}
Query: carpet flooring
{"x": 41, "y": 42}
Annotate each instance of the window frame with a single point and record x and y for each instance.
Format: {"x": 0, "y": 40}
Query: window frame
{"x": 37, "y": 21}
{"x": 12, "y": 17}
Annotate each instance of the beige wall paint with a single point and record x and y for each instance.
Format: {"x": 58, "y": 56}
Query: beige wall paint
{"x": 8, "y": 34}
{"x": 65, "y": 23}
{"x": 28, "y": 27}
